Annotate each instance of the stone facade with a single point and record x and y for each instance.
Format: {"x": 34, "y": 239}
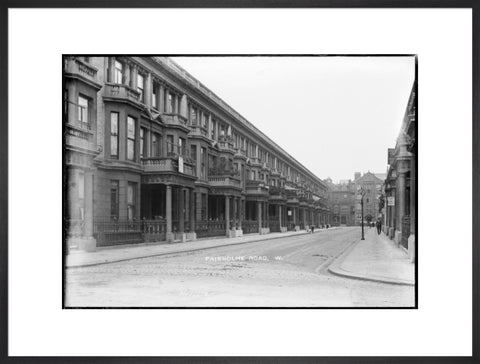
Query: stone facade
{"x": 400, "y": 185}
{"x": 342, "y": 202}
{"x": 371, "y": 184}
{"x": 154, "y": 155}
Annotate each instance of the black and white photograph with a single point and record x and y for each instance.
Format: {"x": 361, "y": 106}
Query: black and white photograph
{"x": 281, "y": 181}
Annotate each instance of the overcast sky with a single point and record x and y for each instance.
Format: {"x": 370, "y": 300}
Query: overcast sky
{"x": 335, "y": 115}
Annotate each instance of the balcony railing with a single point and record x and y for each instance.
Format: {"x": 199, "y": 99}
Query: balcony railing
{"x": 256, "y": 187}
{"x": 79, "y": 135}
{"x": 75, "y": 66}
{"x": 166, "y": 164}
{"x": 198, "y": 130}
{"x": 224, "y": 181}
{"x": 122, "y": 92}
{"x": 174, "y": 119}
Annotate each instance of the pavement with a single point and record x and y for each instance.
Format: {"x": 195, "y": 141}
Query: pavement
{"x": 377, "y": 259}
{"x": 115, "y": 254}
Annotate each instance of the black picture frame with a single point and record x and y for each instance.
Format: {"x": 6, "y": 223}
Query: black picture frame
{"x": 4, "y": 202}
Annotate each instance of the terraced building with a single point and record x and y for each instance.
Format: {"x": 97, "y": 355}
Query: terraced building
{"x": 151, "y": 154}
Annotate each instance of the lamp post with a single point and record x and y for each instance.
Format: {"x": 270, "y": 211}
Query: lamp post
{"x": 362, "y": 193}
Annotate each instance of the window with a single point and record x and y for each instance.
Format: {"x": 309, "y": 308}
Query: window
{"x": 131, "y": 200}
{"x": 118, "y": 72}
{"x": 213, "y": 133}
{"x": 182, "y": 146}
{"x": 156, "y": 145}
{"x": 193, "y": 115}
{"x": 140, "y": 86}
{"x": 154, "y": 97}
{"x": 169, "y": 143}
{"x": 81, "y": 185}
{"x": 114, "y": 134}
{"x": 142, "y": 142}
{"x": 82, "y": 109}
{"x": 203, "y": 157}
{"x": 130, "y": 138}
{"x": 171, "y": 103}
{"x": 193, "y": 155}
{"x": 114, "y": 193}
{"x": 204, "y": 120}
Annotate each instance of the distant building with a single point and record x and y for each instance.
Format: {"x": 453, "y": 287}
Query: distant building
{"x": 372, "y": 185}
{"x": 342, "y": 202}
{"x": 400, "y": 184}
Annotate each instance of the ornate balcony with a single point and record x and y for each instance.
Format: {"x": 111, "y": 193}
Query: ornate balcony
{"x": 122, "y": 93}
{"x": 277, "y": 193}
{"x": 76, "y": 68}
{"x": 225, "y": 143}
{"x": 224, "y": 181}
{"x": 256, "y": 188}
{"x": 167, "y": 164}
{"x": 197, "y": 130}
{"x": 175, "y": 120}
{"x": 80, "y": 136}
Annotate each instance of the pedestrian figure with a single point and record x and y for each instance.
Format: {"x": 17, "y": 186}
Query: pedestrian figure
{"x": 312, "y": 228}
{"x": 379, "y": 226}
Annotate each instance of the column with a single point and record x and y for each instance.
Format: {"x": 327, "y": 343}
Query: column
{"x": 227, "y": 213}
{"x": 133, "y": 81}
{"x": 111, "y": 70}
{"x": 240, "y": 213}
{"x": 401, "y": 199}
{"x": 192, "y": 210}
{"x": 259, "y": 216}
{"x": 88, "y": 213}
{"x": 126, "y": 75}
{"x": 413, "y": 212}
{"x": 148, "y": 90}
{"x": 304, "y": 218}
{"x": 183, "y": 106}
{"x": 161, "y": 98}
{"x": 279, "y": 207}
{"x": 181, "y": 210}
{"x": 294, "y": 209}
{"x": 235, "y": 214}
{"x": 168, "y": 212}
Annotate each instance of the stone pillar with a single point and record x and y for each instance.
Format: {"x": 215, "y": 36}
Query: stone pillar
{"x": 305, "y": 218}
{"x": 168, "y": 213}
{"x": 181, "y": 210}
{"x": 148, "y": 90}
{"x": 209, "y": 126}
{"x": 413, "y": 212}
{"x": 183, "y": 106}
{"x": 133, "y": 81}
{"x": 161, "y": 98}
{"x": 235, "y": 213}
{"x": 126, "y": 75}
{"x": 192, "y": 210}
{"x": 87, "y": 241}
{"x": 227, "y": 214}
{"x": 401, "y": 205}
{"x": 279, "y": 209}
{"x": 111, "y": 69}
{"x": 259, "y": 216}
{"x": 240, "y": 212}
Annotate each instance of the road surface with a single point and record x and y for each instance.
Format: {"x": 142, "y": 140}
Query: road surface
{"x": 285, "y": 272}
